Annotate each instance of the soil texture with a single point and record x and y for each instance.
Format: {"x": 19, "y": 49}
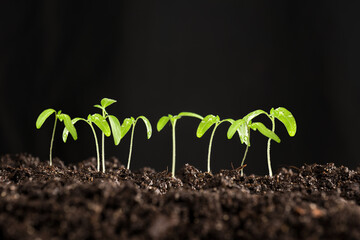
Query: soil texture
{"x": 77, "y": 202}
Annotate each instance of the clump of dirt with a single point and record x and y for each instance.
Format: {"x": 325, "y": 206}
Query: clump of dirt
{"x": 77, "y": 202}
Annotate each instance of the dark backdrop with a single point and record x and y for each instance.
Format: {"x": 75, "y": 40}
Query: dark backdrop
{"x": 159, "y": 57}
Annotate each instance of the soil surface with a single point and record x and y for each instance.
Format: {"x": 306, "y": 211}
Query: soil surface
{"x": 77, "y": 202}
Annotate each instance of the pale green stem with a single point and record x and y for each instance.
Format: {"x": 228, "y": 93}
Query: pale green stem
{"x": 103, "y": 146}
{"x": 210, "y": 144}
{"x": 97, "y": 147}
{"x": 131, "y": 144}
{"x": 52, "y": 141}
{"x": 268, "y": 148}
{"x": 174, "y": 149}
{"x": 243, "y": 160}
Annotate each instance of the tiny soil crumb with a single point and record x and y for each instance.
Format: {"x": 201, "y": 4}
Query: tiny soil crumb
{"x": 77, "y": 202}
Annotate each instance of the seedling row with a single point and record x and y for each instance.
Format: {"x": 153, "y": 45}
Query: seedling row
{"x": 109, "y": 125}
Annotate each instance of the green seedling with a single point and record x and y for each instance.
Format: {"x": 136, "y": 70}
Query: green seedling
{"x": 173, "y": 119}
{"x": 245, "y": 124}
{"x": 131, "y": 122}
{"x": 114, "y": 123}
{"x": 101, "y": 123}
{"x": 62, "y": 117}
{"x": 204, "y": 125}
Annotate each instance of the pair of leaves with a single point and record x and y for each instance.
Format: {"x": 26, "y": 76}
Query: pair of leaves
{"x": 208, "y": 121}
{"x": 105, "y": 102}
{"x": 61, "y": 116}
{"x": 165, "y": 119}
{"x": 128, "y": 122}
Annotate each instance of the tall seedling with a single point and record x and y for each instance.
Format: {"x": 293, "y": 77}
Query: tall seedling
{"x": 173, "y": 119}
{"x": 62, "y": 117}
{"x": 114, "y": 123}
{"x": 131, "y": 122}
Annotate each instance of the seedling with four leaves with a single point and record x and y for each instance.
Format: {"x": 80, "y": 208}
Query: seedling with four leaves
{"x": 131, "y": 122}
{"x": 62, "y": 117}
{"x": 173, "y": 119}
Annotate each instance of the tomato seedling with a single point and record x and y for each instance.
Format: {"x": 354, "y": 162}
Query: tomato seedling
{"x": 245, "y": 124}
{"x": 204, "y": 125}
{"x": 131, "y": 122}
{"x": 173, "y": 119}
{"x": 62, "y": 117}
{"x": 114, "y": 124}
{"x": 100, "y": 122}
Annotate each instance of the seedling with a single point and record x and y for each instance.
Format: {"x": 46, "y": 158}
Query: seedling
{"x": 100, "y": 122}
{"x": 62, "y": 117}
{"x": 204, "y": 125}
{"x": 244, "y": 125}
{"x": 114, "y": 123}
{"x": 173, "y": 119}
{"x": 131, "y": 122}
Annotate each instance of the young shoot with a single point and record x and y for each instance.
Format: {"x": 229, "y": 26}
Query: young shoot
{"x": 204, "y": 125}
{"x": 114, "y": 124}
{"x": 101, "y": 123}
{"x": 173, "y": 119}
{"x": 244, "y": 125}
{"x": 62, "y": 117}
{"x": 131, "y": 122}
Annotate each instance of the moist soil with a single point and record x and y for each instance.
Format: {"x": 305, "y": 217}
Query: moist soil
{"x": 77, "y": 202}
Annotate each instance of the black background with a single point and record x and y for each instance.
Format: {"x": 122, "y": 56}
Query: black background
{"x": 159, "y": 57}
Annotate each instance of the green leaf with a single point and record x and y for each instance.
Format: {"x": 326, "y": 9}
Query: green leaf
{"x": 162, "y": 122}
{"x": 43, "y": 116}
{"x": 286, "y": 117}
{"x": 253, "y": 114}
{"x": 69, "y": 125}
{"x": 190, "y": 114}
{"x": 205, "y": 124}
{"x": 101, "y": 122}
{"x": 105, "y": 102}
{"x": 115, "y": 128}
{"x": 125, "y": 127}
{"x": 148, "y": 126}
{"x": 234, "y": 127}
{"x": 98, "y": 106}
{"x": 66, "y": 131}
{"x": 265, "y": 131}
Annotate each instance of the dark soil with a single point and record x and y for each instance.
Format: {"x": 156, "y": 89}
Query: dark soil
{"x": 76, "y": 202}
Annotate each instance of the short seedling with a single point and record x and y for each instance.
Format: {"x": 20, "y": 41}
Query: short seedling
{"x": 114, "y": 123}
{"x": 244, "y": 125}
{"x": 101, "y": 123}
{"x": 62, "y": 117}
{"x": 204, "y": 125}
{"x": 173, "y": 119}
{"x": 131, "y": 122}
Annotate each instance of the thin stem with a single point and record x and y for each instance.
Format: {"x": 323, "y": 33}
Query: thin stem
{"x": 103, "y": 146}
{"x": 131, "y": 144}
{"x": 52, "y": 140}
{"x": 174, "y": 149}
{"x": 268, "y": 148}
{"x": 243, "y": 160}
{"x": 97, "y": 147}
{"x": 210, "y": 144}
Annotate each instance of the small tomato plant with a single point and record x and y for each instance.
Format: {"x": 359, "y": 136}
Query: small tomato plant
{"x": 244, "y": 125}
{"x": 62, "y": 117}
{"x": 100, "y": 122}
{"x": 131, "y": 122}
{"x": 173, "y": 119}
{"x": 114, "y": 123}
{"x": 204, "y": 125}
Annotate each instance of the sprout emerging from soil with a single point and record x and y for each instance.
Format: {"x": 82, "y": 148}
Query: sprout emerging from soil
{"x": 244, "y": 125}
{"x": 173, "y": 119}
{"x": 114, "y": 123}
{"x": 101, "y": 123}
{"x": 62, "y": 117}
{"x": 131, "y": 122}
{"x": 204, "y": 125}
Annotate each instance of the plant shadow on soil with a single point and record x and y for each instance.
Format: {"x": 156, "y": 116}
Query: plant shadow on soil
{"x": 77, "y": 202}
